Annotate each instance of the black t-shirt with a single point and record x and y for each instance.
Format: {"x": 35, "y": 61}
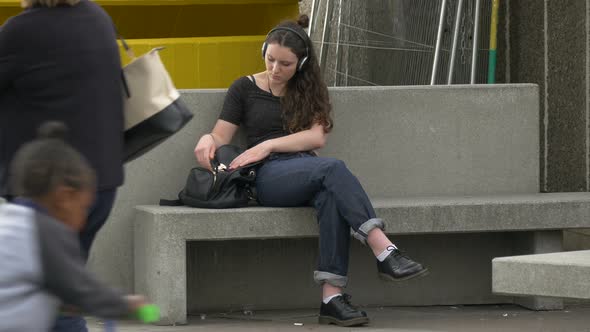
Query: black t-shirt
{"x": 256, "y": 110}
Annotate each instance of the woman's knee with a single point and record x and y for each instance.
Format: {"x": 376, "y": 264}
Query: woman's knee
{"x": 332, "y": 166}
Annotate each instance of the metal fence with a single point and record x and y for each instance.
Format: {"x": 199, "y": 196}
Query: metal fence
{"x": 392, "y": 42}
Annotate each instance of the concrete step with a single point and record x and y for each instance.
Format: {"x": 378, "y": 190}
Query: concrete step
{"x": 564, "y": 274}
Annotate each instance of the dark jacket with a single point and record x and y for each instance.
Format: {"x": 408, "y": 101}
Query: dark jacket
{"x": 63, "y": 64}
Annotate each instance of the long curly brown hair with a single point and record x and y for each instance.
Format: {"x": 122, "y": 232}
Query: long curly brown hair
{"x": 306, "y": 100}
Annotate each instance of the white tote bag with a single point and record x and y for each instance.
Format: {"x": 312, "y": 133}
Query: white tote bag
{"x": 150, "y": 88}
{"x": 153, "y": 107}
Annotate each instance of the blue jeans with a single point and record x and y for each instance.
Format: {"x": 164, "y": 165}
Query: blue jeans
{"x": 97, "y": 216}
{"x": 302, "y": 179}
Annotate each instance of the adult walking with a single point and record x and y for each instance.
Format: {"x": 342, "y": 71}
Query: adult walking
{"x": 59, "y": 60}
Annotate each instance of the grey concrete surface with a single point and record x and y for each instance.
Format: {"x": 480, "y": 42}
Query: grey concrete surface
{"x": 488, "y": 318}
{"x": 305, "y": 7}
{"x": 539, "y": 243}
{"x": 578, "y": 239}
{"x": 567, "y": 88}
{"x": 401, "y": 142}
{"x": 402, "y": 216}
{"x": 565, "y": 274}
{"x": 549, "y": 46}
{"x": 459, "y": 140}
{"x": 527, "y": 56}
{"x": 163, "y": 262}
{"x": 244, "y": 274}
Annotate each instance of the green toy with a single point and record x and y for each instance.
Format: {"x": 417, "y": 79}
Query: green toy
{"x": 148, "y": 313}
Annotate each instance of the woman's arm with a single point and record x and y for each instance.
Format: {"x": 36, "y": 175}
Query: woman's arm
{"x": 305, "y": 140}
{"x": 221, "y": 134}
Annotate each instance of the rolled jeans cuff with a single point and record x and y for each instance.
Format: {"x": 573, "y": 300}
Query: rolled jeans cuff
{"x": 336, "y": 280}
{"x": 363, "y": 232}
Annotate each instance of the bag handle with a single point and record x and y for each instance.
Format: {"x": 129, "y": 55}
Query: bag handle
{"x": 126, "y": 46}
{"x": 131, "y": 55}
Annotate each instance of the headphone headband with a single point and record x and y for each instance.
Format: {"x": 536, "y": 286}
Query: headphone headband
{"x": 288, "y": 29}
{"x": 298, "y": 34}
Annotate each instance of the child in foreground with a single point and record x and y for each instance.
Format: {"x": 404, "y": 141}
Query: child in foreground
{"x": 41, "y": 265}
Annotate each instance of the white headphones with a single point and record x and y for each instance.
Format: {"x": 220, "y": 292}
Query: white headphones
{"x": 302, "y": 61}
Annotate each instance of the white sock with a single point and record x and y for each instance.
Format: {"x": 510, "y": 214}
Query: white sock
{"x": 329, "y": 298}
{"x": 381, "y": 257}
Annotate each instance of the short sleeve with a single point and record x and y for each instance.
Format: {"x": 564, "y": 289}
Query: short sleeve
{"x": 233, "y": 105}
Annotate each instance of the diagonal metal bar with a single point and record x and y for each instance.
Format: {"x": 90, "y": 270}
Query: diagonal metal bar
{"x": 455, "y": 39}
{"x": 438, "y": 42}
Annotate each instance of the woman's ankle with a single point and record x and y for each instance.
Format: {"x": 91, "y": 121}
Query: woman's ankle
{"x": 378, "y": 241}
{"x": 329, "y": 290}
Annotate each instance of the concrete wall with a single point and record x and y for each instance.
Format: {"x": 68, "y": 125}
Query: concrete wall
{"x": 549, "y": 44}
{"x": 456, "y": 140}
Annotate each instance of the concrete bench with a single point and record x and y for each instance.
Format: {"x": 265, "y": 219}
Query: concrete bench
{"x": 162, "y": 233}
{"x": 453, "y": 170}
{"x": 562, "y": 275}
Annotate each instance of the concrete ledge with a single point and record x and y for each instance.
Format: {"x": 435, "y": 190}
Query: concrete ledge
{"x": 565, "y": 274}
{"x": 402, "y": 216}
{"x": 162, "y": 234}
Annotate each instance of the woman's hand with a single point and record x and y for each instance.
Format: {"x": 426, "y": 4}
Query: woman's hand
{"x": 205, "y": 150}
{"x": 252, "y": 155}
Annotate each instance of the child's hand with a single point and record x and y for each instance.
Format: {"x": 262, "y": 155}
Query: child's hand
{"x": 142, "y": 310}
{"x": 135, "y": 302}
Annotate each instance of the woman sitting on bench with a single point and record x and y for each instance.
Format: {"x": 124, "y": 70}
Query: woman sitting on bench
{"x": 285, "y": 112}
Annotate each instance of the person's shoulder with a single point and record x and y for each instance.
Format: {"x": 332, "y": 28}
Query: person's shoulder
{"x": 16, "y": 33}
{"x": 92, "y": 6}
{"x": 96, "y": 11}
{"x": 24, "y": 19}
{"x": 242, "y": 84}
{"x": 13, "y": 25}
{"x": 242, "y": 81}
{"x": 12, "y": 214}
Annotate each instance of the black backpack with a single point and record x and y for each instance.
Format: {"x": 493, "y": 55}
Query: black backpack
{"x": 220, "y": 189}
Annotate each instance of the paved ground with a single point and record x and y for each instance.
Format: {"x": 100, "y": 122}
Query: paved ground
{"x": 576, "y": 318}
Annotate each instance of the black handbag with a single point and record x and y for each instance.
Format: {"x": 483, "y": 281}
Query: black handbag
{"x": 221, "y": 188}
{"x": 151, "y": 132}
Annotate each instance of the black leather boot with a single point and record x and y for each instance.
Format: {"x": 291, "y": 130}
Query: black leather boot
{"x": 340, "y": 312}
{"x": 398, "y": 267}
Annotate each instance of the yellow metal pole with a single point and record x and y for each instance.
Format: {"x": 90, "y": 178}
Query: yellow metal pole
{"x": 493, "y": 42}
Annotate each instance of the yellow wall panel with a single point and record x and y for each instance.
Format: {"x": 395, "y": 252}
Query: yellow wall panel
{"x": 176, "y": 21}
{"x": 206, "y": 62}
{"x": 186, "y": 69}
{"x": 199, "y": 21}
{"x": 209, "y": 43}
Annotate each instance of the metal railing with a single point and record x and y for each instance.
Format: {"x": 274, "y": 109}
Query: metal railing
{"x": 401, "y": 42}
